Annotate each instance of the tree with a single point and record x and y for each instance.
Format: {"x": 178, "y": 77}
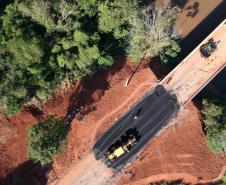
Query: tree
{"x": 105, "y": 60}
{"x": 46, "y": 140}
{"x": 54, "y": 16}
{"x": 214, "y": 117}
{"x": 89, "y": 7}
{"x": 25, "y": 53}
{"x": 80, "y": 38}
{"x": 153, "y": 32}
{"x": 43, "y": 42}
{"x": 170, "y": 51}
{"x": 115, "y": 15}
{"x": 15, "y": 25}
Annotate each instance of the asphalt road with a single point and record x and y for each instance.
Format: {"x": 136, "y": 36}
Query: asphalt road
{"x": 152, "y": 112}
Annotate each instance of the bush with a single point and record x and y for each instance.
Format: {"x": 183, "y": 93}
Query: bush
{"x": 170, "y": 51}
{"x": 214, "y": 117}
{"x": 46, "y": 139}
{"x": 223, "y": 181}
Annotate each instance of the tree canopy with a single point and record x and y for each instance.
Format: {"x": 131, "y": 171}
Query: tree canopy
{"x": 43, "y": 42}
{"x": 214, "y": 117}
{"x": 153, "y": 33}
{"x": 46, "y": 139}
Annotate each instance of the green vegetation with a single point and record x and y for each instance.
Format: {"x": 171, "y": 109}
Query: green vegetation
{"x": 46, "y": 139}
{"x": 223, "y": 181}
{"x": 152, "y": 34}
{"x": 179, "y": 182}
{"x": 44, "y": 42}
{"x": 214, "y": 117}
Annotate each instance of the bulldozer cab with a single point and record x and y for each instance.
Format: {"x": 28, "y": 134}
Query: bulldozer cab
{"x": 116, "y": 153}
{"x": 120, "y": 150}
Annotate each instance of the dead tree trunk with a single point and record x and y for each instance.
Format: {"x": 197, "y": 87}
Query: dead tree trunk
{"x": 133, "y": 73}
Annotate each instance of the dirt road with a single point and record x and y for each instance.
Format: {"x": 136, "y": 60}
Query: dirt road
{"x": 88, "y": 171}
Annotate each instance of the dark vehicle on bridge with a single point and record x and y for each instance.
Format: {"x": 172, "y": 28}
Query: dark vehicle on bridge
{"x": 120, "y": 144}
{"x": 208, "y": 48}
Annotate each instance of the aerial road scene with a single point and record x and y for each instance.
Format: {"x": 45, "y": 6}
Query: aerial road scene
{"x": 113, "y": 92}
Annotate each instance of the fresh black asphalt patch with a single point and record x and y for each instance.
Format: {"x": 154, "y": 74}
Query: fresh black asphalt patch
{"x": 148, "y": 116}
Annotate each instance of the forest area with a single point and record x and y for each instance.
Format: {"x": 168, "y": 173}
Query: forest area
{"x": 45, "y": 43}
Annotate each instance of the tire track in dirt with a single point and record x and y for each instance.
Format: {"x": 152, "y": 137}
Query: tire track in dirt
{"x": 88, "y": 171}
{"x": 185, "y": 177}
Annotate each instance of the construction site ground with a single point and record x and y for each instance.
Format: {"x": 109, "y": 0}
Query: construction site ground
{"x": 180, "y": 152}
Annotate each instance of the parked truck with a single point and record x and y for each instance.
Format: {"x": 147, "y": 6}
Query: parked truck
{"x": 208, "y": 48}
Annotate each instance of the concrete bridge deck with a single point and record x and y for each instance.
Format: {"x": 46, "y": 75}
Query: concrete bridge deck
{"x": 194, "y": 72}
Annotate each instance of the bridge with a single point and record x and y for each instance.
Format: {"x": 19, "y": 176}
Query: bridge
{"x": 161, "y": 104}
{"x": 195, "y": 71}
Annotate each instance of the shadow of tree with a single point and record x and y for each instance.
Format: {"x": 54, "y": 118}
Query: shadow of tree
{"x": 90, "y": 89}
{"x": 179, "y": 3}
{"x": 3, "y": 4}
{"x": 217, "y": 84}
{"x": 160, "y": 70}
{"x": 35, "y": 111}
{"x": 193, "y": 10}
{"x": 201, "y": 31}
{"x": 28, "y": 173}
{"x": 163, "y": 182}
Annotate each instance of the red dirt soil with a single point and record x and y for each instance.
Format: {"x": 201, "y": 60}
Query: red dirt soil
{"x": 87, "y": 93}
{"x": 180, "y": 152}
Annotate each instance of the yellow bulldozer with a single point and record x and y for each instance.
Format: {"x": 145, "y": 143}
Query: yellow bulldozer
{"x": 117, "y": 152}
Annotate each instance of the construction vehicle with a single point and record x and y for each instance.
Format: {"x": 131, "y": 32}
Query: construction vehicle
{"x": 115, "y": 153}
{"x": 208, "y": 48}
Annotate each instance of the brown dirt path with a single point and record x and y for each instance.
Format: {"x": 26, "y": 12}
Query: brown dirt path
{"x": 13, "y": 149}
{"x": 88, "y": 171}
{"x": 125, "y": 100}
